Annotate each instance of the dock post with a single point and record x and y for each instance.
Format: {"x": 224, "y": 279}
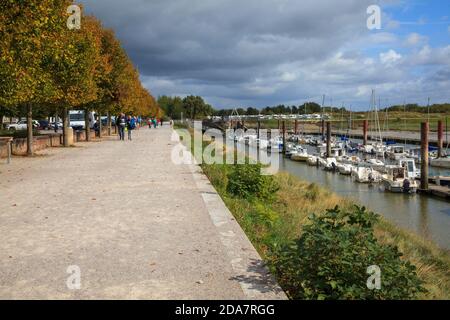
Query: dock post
{"x": 284, "y": 136}
{"x": 365, "y": 129}
{"x": 328, "y": 139}
{"x": 258, "y": 128}
{"x": 323, "y": 129}
{"x": 279, "y": 125}
{"x": 424, "y": 155}
{"x": 440, "y": 139}
{"x": 296, "y": 126}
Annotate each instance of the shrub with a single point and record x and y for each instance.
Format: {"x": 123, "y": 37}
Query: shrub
{"x": 246, "y": 181}
{"x": 331, "y": 257}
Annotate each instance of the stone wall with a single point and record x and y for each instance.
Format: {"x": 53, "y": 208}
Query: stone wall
{"x": 19, "y": 146}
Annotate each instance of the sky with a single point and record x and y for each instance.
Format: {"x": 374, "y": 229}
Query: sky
{"x": 257, "y": 53}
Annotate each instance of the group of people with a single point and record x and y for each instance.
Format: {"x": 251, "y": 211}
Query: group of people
{"x": 154, "y": 122}
{"x": 129, "y": 123}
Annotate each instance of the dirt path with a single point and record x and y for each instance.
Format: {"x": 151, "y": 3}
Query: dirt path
{"x": 137, "y": 226}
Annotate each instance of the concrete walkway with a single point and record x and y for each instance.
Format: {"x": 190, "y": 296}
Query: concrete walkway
{"x": 137, "y": 226}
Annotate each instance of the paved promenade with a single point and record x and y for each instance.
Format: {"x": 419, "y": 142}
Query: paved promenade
{"x": 136, "y": 225}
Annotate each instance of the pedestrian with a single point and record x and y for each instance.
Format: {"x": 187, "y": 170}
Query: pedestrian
{"x": 131, "y": 125}
{"x": 121, "y": 123}
{"x": 149, "y": 123}
{"x": 155, "y": 123}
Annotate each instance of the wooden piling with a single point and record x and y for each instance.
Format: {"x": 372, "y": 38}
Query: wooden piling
{"x": 323, "y": 129}
{"x": 328, "y": 139}
{"x": 296, "y": 126}
{"x": 284, "y": 136}
{"x": 258, "y": 128}
{"x": 365, "y": 130}
{"x": 440, "y": 138}
{"x": 424, "y": 155}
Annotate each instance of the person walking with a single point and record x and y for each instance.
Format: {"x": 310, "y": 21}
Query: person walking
{"x": 131, "y": 125}
{"x": 121, "y": 123}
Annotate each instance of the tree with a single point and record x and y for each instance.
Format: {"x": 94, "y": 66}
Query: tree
{"x": 196, "y": 107}
{"x": 26, "y": 32}
{"x": 73, "y": 61}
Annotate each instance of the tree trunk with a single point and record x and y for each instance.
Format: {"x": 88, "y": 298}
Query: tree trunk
{"x": 100, "y": 125}
{"x": 29, "y": 130}
{"x": 56, "y": 122}
{"x": 87, "y": 127}
{"x": 65, "y": 120}
{"x": 109, "y": 123}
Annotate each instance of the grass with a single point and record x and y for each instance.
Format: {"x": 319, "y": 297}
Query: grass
{"x": 282, "y": 220}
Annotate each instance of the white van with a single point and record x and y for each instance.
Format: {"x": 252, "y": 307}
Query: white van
{"x": 76, "y": 119}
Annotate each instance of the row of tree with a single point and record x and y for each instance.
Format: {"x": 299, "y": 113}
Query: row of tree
{"x": 307, "y": 107}
{"x": 313, "y": 107}
{"x": 46, "y": 66}
{"x": 192, "y": 107}
{"x": 435, "y": 108}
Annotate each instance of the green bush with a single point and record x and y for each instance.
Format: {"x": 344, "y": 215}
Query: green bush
{"x": 331, "y": 257}
{"x": 246, "y": 181}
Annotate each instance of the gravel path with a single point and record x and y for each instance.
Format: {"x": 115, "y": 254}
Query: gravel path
{"x": 137, "y": 226}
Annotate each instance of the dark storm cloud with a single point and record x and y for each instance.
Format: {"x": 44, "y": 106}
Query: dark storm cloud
{"x": 244, "y": 52}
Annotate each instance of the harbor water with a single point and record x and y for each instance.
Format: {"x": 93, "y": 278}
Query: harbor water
{"x": 426, "y": 216}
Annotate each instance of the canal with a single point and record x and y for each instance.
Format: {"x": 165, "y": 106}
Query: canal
{"x": 426, "y": 216}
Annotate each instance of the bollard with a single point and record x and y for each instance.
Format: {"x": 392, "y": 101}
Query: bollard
{"x": 424, "y": 155}
{"x": 9, "y": 147}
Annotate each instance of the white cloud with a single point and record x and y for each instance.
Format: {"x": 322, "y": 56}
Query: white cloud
{"x": 288, "y": 77}
{"x": 265, "y": 52}
{"x": 414, "y": 39}
{"x": 390, "y": 57}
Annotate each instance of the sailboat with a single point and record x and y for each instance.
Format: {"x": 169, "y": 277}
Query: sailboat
{"x": 376, "y": 148}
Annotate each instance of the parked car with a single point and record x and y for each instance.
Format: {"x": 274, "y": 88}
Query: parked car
{"x": 58, "y": 125}
{"x": 21, "y": 125}
{"x": 44, "y": 125}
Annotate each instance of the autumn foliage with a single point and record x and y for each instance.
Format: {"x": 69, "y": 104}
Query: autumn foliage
{"x": 46, "y": 66}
